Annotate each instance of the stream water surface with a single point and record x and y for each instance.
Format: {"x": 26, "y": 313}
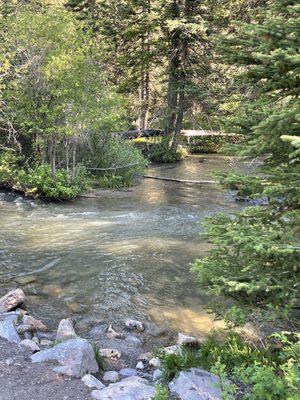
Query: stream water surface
{"x": 123, "y": 254}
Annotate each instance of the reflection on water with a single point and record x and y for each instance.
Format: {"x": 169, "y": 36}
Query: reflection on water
{"x": 122, "y": 254}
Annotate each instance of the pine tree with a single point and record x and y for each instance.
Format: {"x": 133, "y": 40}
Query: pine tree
{"x": 256, "y": 257}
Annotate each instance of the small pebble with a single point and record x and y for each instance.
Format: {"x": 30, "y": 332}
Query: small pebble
{"x": 140, "y": 365}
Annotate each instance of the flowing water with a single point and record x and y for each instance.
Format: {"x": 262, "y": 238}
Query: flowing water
{"x": 123, "y": 254}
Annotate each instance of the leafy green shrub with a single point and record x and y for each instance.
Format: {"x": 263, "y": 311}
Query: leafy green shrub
{"x": 231, "y": 351}
{"x": 162, "y": 153}
{"x": 161, "y": 392}
{"x": 38, "y": 180}
{"x": 8, "y": 166}
{"x": 119, "y": 160}
{"x": 268, "y": 371}
{"x": 172, "y": 364}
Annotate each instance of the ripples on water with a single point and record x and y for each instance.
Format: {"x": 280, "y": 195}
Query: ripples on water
{"x": 122, "y": 254}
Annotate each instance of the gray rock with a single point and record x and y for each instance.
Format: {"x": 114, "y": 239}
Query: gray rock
{"x": 29, "y": 345}
{"x": 46, "y": 335}
{"x": 110, "y": 353}
{"x": 157, "y": 374}
{"x": 184, "y": 340}
{"x": 111, "y": 376}
{"x": 22, "y": 328}
{"x": 76, "y": 357}
{"x": 8, "y": 331}
{"x": 12, "y": 316}
{"x": 65, "y": 330}
{"x": 35, "y": 339}
{"x": 9, "y": 361}
{"x": 27, "y": 335}
{"x": 92, "y": 382}
{"x": 127, "y": 372}
{"x": 155, "y": 362}
{"x": 140, "y": 365}
{"x": 175, "y": 349}
{"x": 11, "y": 300}
{"x": 36, "y": 324}
{"x": 133, "y": 339}
{"x": 134, "y": 388}
{"x": 134, "y": 324}
{"x": 46, "y": 343}
{"x": 196, "y": 384}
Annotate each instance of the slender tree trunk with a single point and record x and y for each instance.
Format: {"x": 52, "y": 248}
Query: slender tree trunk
{"x": 145, "y": 72}
{"x": 174, "y": 66}
{"x": 52, "y": 156}
{"x": 74, "y": 160}
{"x": 178, "y": 71}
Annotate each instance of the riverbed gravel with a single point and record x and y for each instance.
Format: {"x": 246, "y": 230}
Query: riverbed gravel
{"x": 22, "y": 380}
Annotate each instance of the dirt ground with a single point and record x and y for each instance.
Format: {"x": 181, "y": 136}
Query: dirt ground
{"x": 22, "y": 380}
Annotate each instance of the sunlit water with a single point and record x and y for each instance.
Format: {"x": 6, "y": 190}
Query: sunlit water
{"x": 124, "y": 254}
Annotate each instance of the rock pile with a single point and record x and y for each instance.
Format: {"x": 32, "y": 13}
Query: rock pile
{"x": 75, "y": 357}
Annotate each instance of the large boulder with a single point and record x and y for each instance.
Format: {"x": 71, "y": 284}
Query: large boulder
{"x": 76, "y": 357}
{"x": 133, "y": 388}
{"x": 65, "y": 330}
{"x": 196, "y": 384}
{"x": 8, "y": 331}
{"x": 12, "y": 300}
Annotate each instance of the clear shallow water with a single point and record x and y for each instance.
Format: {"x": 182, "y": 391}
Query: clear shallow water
{"x": 124, "y": 254}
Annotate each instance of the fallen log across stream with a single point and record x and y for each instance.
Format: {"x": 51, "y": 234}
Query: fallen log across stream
{"x": 190, "y": 181}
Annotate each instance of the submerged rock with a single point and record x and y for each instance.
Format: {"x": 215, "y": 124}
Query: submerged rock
{"x": 25, "y": 280}
{"x": 133, "y": 388}
{"x": 65, "y": 330}
{"x": 76, "y": 356}
{"x": 134, "y": 324}
{"x": 12, "y": 300}
{"x": 196, "y": 384}
{"x": 92, "y": 382}
{"x": 8, "y": 331}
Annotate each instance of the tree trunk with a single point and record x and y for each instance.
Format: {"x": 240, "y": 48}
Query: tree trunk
{"x": 52, "y": 156}
{"x": 144, "y": 91}
{"x": 178, "y": 67}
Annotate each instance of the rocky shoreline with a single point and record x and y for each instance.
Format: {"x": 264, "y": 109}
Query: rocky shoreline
{"x": 72, "y": 357}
